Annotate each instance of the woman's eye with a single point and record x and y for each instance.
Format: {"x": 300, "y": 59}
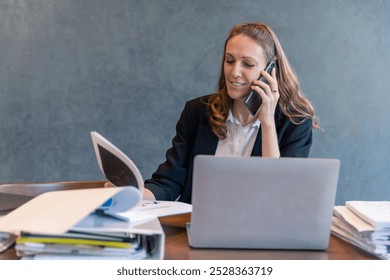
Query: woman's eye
{"x": 229, "y": 61}
{"x": 249, "y": 65}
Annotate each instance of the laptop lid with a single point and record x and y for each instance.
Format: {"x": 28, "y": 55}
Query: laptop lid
{"x": 262, "y": 203}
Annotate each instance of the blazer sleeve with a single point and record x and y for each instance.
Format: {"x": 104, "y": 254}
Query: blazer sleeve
{"x": 168, "y": 182}
{"x": 295, "y": 140}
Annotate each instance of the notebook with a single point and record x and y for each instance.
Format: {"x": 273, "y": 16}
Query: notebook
{"x": 262, "y": 203}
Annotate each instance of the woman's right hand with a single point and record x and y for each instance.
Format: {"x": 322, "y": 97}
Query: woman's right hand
{"x": 108, "y": 185}
{"x": 270, "y": 95}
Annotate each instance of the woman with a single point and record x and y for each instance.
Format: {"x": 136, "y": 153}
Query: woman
{"x": 220, "y": 124}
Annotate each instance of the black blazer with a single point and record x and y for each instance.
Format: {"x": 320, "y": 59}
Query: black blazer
{"x": 173, "y": 178}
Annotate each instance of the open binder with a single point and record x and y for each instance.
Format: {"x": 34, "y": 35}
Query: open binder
{"x": 108, "y": 223}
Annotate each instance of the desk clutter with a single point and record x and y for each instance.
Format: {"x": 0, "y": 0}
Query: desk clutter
{"x": 101, "y": 223}
{"x": 92, "y": 245}
{"x": 67, "y": 225}
{"x": 365, "y": 224}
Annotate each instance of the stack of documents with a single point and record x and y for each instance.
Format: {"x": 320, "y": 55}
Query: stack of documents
{"x": 79, "y": 245}
{"x": 71, "y": 225}
{"x": 80, "y": 224}
{"x": 365, "y": 224}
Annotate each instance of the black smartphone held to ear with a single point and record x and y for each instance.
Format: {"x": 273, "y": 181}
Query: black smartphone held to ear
{"x": 253, "y": 102}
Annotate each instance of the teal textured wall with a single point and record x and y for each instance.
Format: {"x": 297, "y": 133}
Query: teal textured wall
{"x": 126, "y": 68}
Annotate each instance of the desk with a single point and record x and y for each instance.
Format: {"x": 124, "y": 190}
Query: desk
{"x": 176, "y": 242}
{"x": 177, "y": 248}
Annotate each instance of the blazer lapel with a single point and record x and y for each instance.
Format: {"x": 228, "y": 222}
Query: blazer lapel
{"x": 206, "y": 142}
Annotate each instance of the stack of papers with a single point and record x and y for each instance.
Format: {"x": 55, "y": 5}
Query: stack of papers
{"x": 51, "y": 226}
{"x": 78, "y": 245}
{"x": 365, "y": 224}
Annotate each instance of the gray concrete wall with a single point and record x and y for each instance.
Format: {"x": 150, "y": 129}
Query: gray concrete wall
{"x": 126, "y": 68}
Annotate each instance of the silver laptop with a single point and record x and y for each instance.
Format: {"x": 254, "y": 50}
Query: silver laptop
{"x": 262, "y": 203}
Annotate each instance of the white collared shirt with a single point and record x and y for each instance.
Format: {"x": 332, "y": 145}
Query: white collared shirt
{"x": 239, "y": 140}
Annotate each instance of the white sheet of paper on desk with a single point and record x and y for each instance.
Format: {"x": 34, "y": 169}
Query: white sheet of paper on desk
{"x": 109, "y": 226}
{"x": 155, "y": 209}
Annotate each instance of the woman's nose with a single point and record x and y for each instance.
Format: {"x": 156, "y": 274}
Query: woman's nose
{"x": 236, "y": 70}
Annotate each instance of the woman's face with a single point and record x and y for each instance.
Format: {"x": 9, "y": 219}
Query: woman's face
{"x": 244, "y": 59}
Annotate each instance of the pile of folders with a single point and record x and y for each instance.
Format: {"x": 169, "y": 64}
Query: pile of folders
{"x": 84, "y": 245}
{"x": 365, "y": 224}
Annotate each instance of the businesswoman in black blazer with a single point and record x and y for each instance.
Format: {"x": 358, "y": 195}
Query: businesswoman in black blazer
{"x": 220, "y": 124}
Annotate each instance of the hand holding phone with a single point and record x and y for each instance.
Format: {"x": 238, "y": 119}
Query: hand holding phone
{"x": 253, "y": 102}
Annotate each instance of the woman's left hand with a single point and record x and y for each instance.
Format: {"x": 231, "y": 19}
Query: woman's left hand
{"x": 269, "y": 95}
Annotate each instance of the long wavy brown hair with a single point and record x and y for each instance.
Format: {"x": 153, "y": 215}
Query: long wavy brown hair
{"x": 291, "y": 102}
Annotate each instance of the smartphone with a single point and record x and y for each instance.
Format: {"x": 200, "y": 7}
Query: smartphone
{"x": 253, "y": 102}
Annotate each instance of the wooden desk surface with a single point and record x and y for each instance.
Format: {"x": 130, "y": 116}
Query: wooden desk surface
{"x": 176, "y": 242}
{"x": 177, "y": 248}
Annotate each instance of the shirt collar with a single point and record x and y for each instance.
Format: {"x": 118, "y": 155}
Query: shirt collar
{"x": 233, "y": 120}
